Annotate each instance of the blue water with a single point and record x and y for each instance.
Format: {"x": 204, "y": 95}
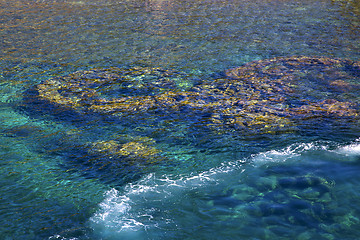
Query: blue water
{"x": 252, "y": 169}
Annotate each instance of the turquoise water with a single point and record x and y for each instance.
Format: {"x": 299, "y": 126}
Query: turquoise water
{"x": 80, "y": 171}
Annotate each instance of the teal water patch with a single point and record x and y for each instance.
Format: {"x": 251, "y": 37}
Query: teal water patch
{"x": 291, "y": 193}
{"x": 39, "y": 196}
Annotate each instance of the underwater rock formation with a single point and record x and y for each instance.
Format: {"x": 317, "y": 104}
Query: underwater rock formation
{"x": 278, "y": 91}
{"x": 294, "y": 199}
{"x": 293, "y": 89}
{"x": 128, "y": 89}
{"x": 139, "y": 148}
{"x": 267, "y": 96}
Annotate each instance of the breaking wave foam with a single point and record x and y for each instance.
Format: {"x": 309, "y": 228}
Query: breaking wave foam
{"x": 141, "y": 207}
{"x": 351, "y": 150}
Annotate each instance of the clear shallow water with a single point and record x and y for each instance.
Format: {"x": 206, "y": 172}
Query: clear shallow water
{"x": 298, "y": 184}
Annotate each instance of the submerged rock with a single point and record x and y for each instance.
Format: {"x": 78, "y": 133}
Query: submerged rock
{"x": 294, "y": 89}
{"x": 265, "y": 96}
{"x": 268, "y": 96}
{"x": 126, "y": 89}
{"x": 302, "y": 76}
{"x": 136, "y": 150}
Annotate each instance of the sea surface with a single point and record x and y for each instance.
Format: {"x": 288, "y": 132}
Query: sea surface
{"x": 253, "y": 168}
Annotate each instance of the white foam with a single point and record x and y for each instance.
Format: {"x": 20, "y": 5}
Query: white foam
{"x": 351, "y": 149}
{"x": 288, "y": 153}
{"x": 145, "y": 205}
{"x": 130, "y": 213}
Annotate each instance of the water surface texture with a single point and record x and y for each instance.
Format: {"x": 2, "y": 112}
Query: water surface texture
{"x": 180, "y": 119}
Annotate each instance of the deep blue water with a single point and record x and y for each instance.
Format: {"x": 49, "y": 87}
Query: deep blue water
{"x": 281, "y": 162}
